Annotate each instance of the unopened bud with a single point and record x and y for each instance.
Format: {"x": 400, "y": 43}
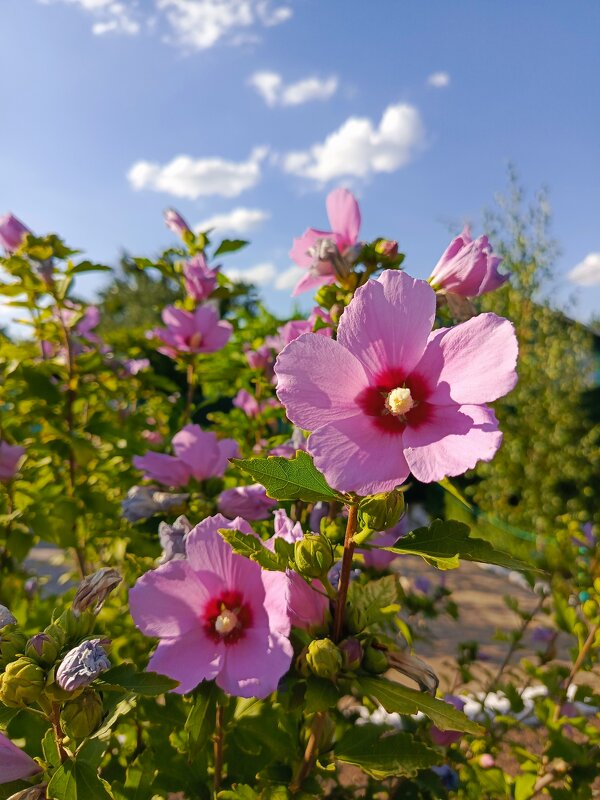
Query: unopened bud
{"x": 381, "y": 511}
{"x": 324, "y": 659}
{"x": 6, "y": 617}
{"x": 80, "y": 717}
{"x": 172, "y": 538}
{"x": 94, "y": 589}
{"x": 42, "y": 648}
{"x": 33, "y": 793}
{"x": 176, "y": 222}
{"x": 82, "y": 665}
{"x": 352, "y": 654}
{"x": 12, "y": 643}
{"x": 313, "y": 556}
{"x": 333, "y": 529}
{"x": 76, "y": 626}
{"x": 144, "y": 501}
{"x": 386, "y": 248}
{"x": 22, "y": 683}
{"x": 374, "y": 660}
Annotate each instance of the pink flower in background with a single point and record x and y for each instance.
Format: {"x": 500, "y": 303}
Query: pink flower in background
{"x": 247, "y": 403}
{"x": 261, "y": 358}
{"x": 175, "y": 222}
{"x": 200, "y": 331}
{"x": 381, "y": 559}
{"x": 198, "y": 454}
{"x": 10, "y": 456}
{"x": 250, "y": 502}
{"x": 390, "y": 396}
{"x": 135, "y": 365}
{"x": 446, "y": 738}
{"x": 200, "y": 281}
{"x": 14, "y": 763}
{"x": 218, "y": 616}
{"x": 468, "y": 267}
{"x": 317, "y": 251}
{"x": 12, "y": 232}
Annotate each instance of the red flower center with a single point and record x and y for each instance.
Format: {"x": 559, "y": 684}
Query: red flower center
{"x": 372, "y": 401}
{"x": 227, "y": 617}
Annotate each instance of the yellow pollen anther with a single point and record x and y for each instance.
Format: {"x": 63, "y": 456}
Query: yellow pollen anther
{"x": 226, "y": 622}
{"x": 399, "y": 401}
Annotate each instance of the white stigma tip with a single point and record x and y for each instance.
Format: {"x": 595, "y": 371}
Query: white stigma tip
{"x": 399, "y": 401}
{"x": 226, "y": 622}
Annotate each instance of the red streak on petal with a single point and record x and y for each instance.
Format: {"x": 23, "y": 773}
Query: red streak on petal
{"x": 372, "y": 401}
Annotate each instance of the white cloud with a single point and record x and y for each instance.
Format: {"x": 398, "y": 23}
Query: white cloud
{"x": 274, "y": 92}
{"x": 587, "y": 272}
{"x": 189, "y": 177}
{"x": 110, "y": 16}
{"x": 359, "y": 148}
{"x": 289, "y": 278}
{"x": 260, "y": 275}
{"x": 439, "y": 80}
{"x": 200, "y": 24}
{"x": 239, "y": 220}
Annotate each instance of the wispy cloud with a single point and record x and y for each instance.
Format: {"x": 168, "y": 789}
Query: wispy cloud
{"x": 189, "y": 177}
{"x": 587, "y": 272}
{"x": 275, "y": 92}
{"x": 439, "y": 80}
{"x": 289, "y": 277}
{"x": 260, "y": 275}
{"x": 108, "y": 16}
{"x": 239, "y": 220}
{"x": 360, "y": 148}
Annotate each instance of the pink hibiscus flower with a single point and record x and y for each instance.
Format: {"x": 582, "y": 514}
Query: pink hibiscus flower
{"x": 200, "y": 281}
{"x": 200, "y": 331}
{"x": 390, "y": 396}
{"x": 322, "y": 252}
{"x": 198, "y": 454}
{"x": 250, "y": 502}
{"x": 12, "y": 232}
{"x": 14, "y": 763}
{"x": 10, "y": 457}
{"x": 218, "y": 616}
{"x": 468, "y": 267}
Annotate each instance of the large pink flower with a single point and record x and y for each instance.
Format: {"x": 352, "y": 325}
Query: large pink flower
{"x": 390, "y": 396}
{"x": 468, "y": 267}
{"x": 10, "y": 456}
{"x": 198, "y": 454}
{"x": 216, "y": 615}
{"x": 309, "y": 249}
{"x": 14, "y": 763}
{"x": 200, "y": 331}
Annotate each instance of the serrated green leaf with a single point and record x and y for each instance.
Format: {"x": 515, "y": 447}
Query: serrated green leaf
{"x": 230, "y": 246}
{"x": 382, "y": 754}
{"x": 395, "y": 697}
{"x": 248, "y": 545}
{"x": 200, "y": 721}
{"x": 77, "y": 780}
{"x": 321, "y": 695}
{"x": 371, "y": 602}
{"x": 126, "y": 676}
{"x": 444, "y": 542}
{"x": 289, "y": 478}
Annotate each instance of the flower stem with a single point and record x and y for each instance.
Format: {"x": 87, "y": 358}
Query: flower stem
{"x": 338, "y": 622}
{"x": 311, "y": 752}
{"x": 218, "y": 738}
{"x": 191, "y": 385}
{"x": 58, "y": 734}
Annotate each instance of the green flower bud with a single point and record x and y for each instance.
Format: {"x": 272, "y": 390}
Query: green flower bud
{"x": 275, "y": 793}
{"x": 54, "y": 692}
{"x": 22, "y": 683}
{"x": 352, "y": 654}
{"x": 57, "y": 634}
{"x": 333, "y": 529}
{"x": 76, "y": 626}
{"x": 12, "y": 643}
{"x": 313, "y": 556}
{"x": 324, "y": 658}
{"x": 79, "y": 718}
{"x": 374, "y": 660}
{"x": 590, "y": 609}
{"x": 387, "y": 248}
{"x": 326, "y": 296}
{"x": 381, "y": 511}
{"x": 356, "y": 620}
{"x": 43, "y": 649}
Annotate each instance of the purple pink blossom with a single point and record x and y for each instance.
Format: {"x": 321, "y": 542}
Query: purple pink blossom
{"x": 246, "y": 403}
{"x": 200, "y": 281}
{"x": 12, "y": 232}
{"x": 82, "y": 665}
{"x": 390, "y": 396}
{"x": 199, "y": 331}
{"x": 218, "y": 616}
{"x": 251, "y": 502}
{"x": 14, "y": 763}
{"x": 468, "y": 267}
{"x": 10, "y": 458}
{"x": 175, "y": 222}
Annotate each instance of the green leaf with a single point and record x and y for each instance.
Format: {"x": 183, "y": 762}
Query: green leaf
{"x": 87, "y": 266}
{"x": 444, "y": 542}
{"x": 240, "y": 791}
{"x": 395, "y": 697}
{"x": 50, "y": 749}
{"x": 371, "y": 602}
{"x": 250, "y": 546}
{"x": 382, "y": 754}
{"x": 289, "y": 479}
{"x": 200, "y": 721}
{"x": 230, "y": 246}
{"x": 321, "y": 695}
{"x": 77, "y": 780}
{"x": 125, "y": 676}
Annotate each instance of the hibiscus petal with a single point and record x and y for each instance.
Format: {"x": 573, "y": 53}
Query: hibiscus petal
{"x": 310, "y": 281}
{"x": 168, "y": 601}
{"x": 453, "y": 440}
{"x": 189, "y": 660}
{"x": 355, "y": 456}
{"x": 302, "y": 244}
{"x": 473, "y": 362}
{"x": 198, "y": 449}
{"x": 318, "y": 381}
{"x": 14, "y": 763}
{"x": 344, "y": 216}
{"x": 254, "y": 666}
{"x": 387, "y": 324}
{"x": 163, "y": 468}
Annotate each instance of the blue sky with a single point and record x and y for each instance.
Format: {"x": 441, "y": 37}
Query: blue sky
{"x": 274, "y": 103}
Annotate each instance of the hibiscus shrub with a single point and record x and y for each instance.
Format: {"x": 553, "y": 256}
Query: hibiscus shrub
{"x": 198, "y": 599}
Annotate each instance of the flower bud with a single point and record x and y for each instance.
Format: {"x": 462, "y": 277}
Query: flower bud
{"x": 374, "y": 660}
{"x": 176, "y": 222}
{"x": 172, "y": 538}
{"x": 82, "y": 665}
{"x": 76, "y": 626}
{"x": 381, "y": 511}
{"x": 12, "y": 232}
{"x": 22, "y": 683}
{"x": 333, "y": 529}
{"x": 33, "y": 793}
{"x": 43, "y": 649}
{"x": 386, "y": 248}
{"x": 94, "y": 589}
{"x": 313, "y": 556}
{"x": 324, "y": 659}
{"x": 12, "y": 643}
{"x": 56, "y": 633}
{"x": 144, "y": 501}
{"x": 80, "y": 717}
{"x": 6, "y": 618}
{"x": 352, "y": 654}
